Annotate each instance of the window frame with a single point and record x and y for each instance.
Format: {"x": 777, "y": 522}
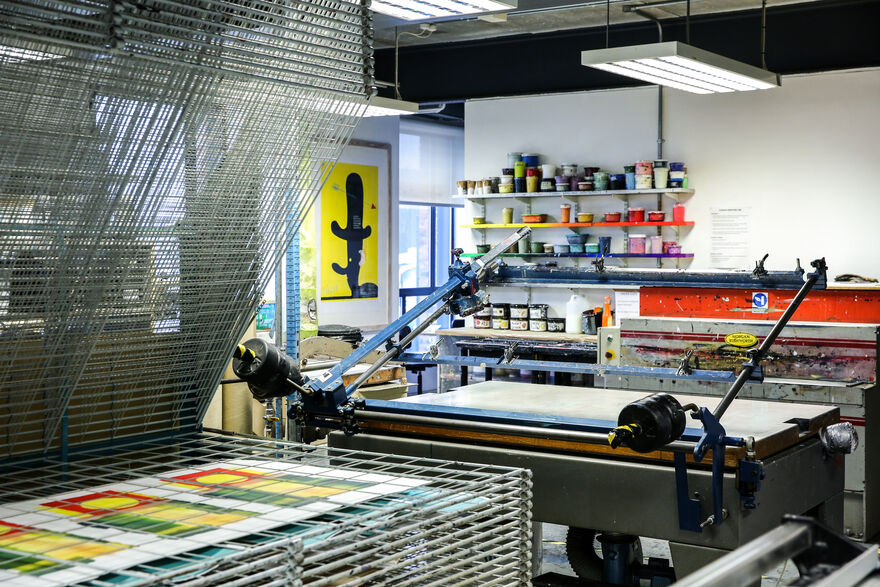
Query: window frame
{"x": 405, "y": 292}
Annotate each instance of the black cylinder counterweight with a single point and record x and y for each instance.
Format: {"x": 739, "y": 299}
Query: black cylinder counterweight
{"x": 266, "y": 369}
{"x": 650, "y": 423}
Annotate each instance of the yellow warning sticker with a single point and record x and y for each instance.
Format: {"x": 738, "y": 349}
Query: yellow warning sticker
{"x": 742, "y": 340}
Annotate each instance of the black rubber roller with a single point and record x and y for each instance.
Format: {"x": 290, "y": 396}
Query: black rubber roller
{"x": 650, "y": 423}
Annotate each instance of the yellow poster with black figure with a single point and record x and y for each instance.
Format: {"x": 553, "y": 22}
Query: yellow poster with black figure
{"x": 350, "y": 233}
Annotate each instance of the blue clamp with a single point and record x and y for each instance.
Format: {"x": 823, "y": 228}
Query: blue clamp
{"x": 689, "y": 515}
{"x": 689, "y": 509}
{"x": 713, "y": 433}
{"x": 751, "y": 473}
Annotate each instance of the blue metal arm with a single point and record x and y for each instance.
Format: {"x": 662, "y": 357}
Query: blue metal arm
{"x": 326, "y": 394}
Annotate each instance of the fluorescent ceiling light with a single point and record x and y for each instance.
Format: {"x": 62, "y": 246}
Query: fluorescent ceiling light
{"x": 428, "y": 9}
{"x": 379, "y": 106}
{"x": 682, "y": 67}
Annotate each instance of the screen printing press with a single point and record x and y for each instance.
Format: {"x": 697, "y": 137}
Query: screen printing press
{"x": 705, "y": 472}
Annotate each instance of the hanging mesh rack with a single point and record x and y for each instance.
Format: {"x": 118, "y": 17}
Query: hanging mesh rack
{"x": 156, "y": 157}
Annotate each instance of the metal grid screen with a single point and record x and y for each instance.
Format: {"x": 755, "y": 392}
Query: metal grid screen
{"x": 156, "y": 157}
{"x": 291, "y": 515}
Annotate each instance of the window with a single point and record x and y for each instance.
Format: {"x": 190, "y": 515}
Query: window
{"x": 431, "y": 160}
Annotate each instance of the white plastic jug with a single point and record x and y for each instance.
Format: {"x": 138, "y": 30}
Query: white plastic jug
{"x": 573, "y": 309}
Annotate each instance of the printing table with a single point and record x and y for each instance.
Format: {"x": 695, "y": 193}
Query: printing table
{"x": 593, "y": 486}
{"x": 541, "y": 346}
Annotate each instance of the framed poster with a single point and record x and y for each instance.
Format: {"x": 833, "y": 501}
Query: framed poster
{"x": 353, "y": 235}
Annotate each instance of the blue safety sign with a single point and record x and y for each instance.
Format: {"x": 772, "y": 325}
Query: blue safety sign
{"x": 760, "y": 301}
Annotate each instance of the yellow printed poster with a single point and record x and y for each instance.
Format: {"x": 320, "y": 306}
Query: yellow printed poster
{"x": 350, "y": 233}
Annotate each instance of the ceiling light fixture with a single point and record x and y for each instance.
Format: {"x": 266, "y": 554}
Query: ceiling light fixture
{"x": 379, "y": 106}
{"x": 681, "y": 66}
{"x": 423, "y": 10}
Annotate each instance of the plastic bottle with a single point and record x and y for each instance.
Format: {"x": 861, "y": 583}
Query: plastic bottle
{"x": 607, "y": 320}
{"x": 573, "y": 309}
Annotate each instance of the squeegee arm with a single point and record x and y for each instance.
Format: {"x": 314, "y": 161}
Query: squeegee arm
{"x": 759, "y": 354}
{"x": 461, "y": 276}
{"x": 396, "y": 350}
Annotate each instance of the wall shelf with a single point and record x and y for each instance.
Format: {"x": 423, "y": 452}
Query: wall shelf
{"x": 578, "y": 199}
{"x": 674, "y": 193}
{"x": 592, "y": 255}
{"x": 575, "y": 224}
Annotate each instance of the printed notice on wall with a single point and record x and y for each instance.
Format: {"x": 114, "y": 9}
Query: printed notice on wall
{"x": 626, "y": 305}
{"x": 731, "y": 233}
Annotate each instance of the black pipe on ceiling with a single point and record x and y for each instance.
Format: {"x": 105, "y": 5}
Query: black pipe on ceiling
{"x": 808, "y": 37}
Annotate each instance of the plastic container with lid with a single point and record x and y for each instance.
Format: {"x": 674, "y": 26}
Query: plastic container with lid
{"x": 501, "y": 310}
{"x": 538, "y": 311}
{"x": 520, "y": 324}
{"x": 482, "y": 322}
{"x": 538, "y": 325}
{"x": 501, "y": 323}
{"x": 519, "y": 310}
{"x": 637, "y": 244}
{"x": 636, "y": 215}
{"x": 644, "y": 168}
{"x": 555, "y": 324}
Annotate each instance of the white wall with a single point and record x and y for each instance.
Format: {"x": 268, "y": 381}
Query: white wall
{"x": 386, "y": 129}
{"x": 802, "y": 156}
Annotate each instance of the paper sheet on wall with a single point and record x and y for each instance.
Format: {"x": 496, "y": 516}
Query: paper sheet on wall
{"x": 730, "y": 237}
{"x": 626, "y": 305}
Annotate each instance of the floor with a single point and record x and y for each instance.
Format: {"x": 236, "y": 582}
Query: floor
{"x": 555, "y": 560}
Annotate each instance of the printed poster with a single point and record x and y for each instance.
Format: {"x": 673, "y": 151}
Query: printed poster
{"x": 350, "y": 233}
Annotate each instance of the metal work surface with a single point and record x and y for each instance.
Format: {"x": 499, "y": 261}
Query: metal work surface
{"x": 157, "y": 159}
{"x": 639, "y": 498}
{"x": 768, "y": 422}
{"x": 220, "y": 510}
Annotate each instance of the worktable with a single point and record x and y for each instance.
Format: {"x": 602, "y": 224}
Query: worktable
{"x": 525, "y": 344}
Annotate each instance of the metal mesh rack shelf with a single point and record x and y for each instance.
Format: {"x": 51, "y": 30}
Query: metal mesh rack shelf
{"x": 213, "y": 509}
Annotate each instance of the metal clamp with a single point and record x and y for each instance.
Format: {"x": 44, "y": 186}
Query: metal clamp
{"x": 684, "y": 368}
{"x": 759, "y": 270}
{"x": 508, "y": 354}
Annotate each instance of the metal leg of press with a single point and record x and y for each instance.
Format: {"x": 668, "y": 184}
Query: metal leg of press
{"x": 829, "y": 512}
{"x": 464, "y": 370}
{"x": 419, "y": 380}
{"x": 687, "y": 558}
{"x": 537, "y": 547}
{"x": 488, "y": 374}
